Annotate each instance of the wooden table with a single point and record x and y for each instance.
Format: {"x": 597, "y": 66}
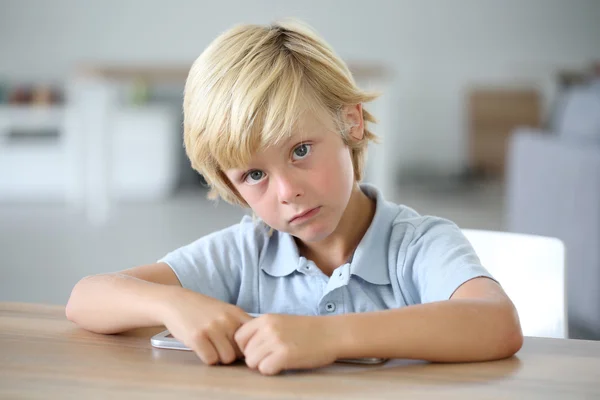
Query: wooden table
{"x": 42, "y": 355}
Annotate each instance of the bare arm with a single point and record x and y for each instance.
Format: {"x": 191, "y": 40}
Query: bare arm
{"x": 478, "y": 323}
{"x": 112, "y": 303}
{"x": 151, "y": 295}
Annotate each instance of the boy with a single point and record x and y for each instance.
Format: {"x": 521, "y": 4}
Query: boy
{"x": 274, "y": 121}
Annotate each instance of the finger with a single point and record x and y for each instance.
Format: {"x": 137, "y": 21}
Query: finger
{"x": 204, "y": 349}
{"x": 272, "y": 364}
{"x": 245, "y": 332}
{"x": 223, "y": 346}
{"x": 230, "y": 336}
{"x": 244, "y": 317}
{"x": 257, "y": 349}
{"x": 239, "y": 354}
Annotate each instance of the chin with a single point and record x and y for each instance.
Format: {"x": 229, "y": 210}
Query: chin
{"x": 311, "y": 238}
{"x": 313, "y": 234}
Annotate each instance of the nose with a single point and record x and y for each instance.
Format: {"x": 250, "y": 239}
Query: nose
{"x": 288, "y": 187}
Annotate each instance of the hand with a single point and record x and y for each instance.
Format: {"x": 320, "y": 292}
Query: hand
{"x": 205, "y": 325}
{"x": 272, "y": 343}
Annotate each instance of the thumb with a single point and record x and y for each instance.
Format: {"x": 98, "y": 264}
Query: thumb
{"x": 245, "y": 317}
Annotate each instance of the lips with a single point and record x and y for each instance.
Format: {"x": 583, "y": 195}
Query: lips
{"x": 303, "y": 214}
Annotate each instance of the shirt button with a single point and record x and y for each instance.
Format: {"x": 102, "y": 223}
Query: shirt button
{"x": 330, "y": 307}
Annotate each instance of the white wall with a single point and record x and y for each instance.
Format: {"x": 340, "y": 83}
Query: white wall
{"x": 437, "y": 48}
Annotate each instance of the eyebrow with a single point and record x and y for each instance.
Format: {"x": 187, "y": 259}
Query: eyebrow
{"x": 296, "y": 136}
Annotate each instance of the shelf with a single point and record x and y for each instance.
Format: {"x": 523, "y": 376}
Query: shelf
{"x": 31, "y": 117}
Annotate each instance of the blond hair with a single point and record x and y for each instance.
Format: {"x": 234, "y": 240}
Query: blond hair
{"x": 245, "y": 93}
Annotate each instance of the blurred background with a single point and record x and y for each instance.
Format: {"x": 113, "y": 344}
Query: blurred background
{"x": 490, "y": 116}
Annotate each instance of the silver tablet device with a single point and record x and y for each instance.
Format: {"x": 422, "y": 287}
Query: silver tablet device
{"x": 165, "y": 340}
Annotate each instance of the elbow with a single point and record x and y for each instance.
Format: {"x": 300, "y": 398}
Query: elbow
{"x": 83, "y": 309}
{"x": 72, "y": 309}
{"x": 69, "y": 311}
{"x": 510, "y": 338}
{"x": 512, "y": 343}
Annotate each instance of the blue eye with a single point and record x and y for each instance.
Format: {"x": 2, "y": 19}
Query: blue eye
{"x": 302, "y": 151}
{"x": 254, "y": 177}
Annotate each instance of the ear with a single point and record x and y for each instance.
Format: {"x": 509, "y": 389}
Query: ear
{"x": 353, "y": 116}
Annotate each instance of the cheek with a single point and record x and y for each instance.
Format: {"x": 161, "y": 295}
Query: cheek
{"x": 338, "y": 170}
{"x": 252, "y": 196}
{"x": 258, "y": 200}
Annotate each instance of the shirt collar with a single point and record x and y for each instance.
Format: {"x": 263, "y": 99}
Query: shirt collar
{"x": 282, "y": 257}
{"x": 369, "y": 261}
{"x": 370, "y": 257}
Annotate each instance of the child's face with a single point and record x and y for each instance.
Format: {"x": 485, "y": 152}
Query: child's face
{"x": 301, "y": 186}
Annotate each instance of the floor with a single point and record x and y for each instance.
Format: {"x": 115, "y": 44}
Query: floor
{"x": 46, "y": 249}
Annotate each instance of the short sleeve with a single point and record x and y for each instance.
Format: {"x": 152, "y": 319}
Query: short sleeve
{"x": 438, "y": 260}
{"x": 214, "y": 264}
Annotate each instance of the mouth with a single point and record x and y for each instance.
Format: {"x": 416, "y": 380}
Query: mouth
{"x": 305, "y": 215}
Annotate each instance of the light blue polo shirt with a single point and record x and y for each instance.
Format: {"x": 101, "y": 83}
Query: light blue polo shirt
{"x": 403, "y": 259}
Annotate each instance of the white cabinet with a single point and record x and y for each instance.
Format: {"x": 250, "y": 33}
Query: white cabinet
{"x": 45, "y": 153}
{"x": 143, "y": 152}
{"x": 32, "y": 153}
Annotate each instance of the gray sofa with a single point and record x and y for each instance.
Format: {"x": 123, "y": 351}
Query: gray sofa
{"x": 553, "y": 189}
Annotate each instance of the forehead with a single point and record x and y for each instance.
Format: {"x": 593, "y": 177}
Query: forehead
{"x": 314, "y": 120}
{"x": 308, "y": 126}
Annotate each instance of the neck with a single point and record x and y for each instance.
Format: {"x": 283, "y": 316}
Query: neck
{"x": 338, "y": 247}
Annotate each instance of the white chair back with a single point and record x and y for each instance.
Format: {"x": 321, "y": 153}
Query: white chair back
{"x": 531, "y": 270}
